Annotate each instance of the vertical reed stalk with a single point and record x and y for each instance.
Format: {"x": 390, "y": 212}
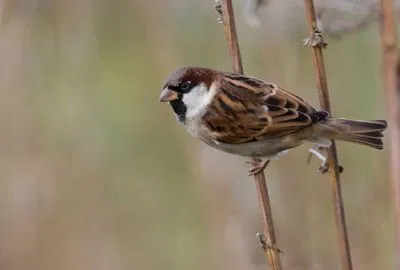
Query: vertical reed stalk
{"x": 389, "y": 72}
{"x": 318, "y": 44}
{"x": 270, "y": 248}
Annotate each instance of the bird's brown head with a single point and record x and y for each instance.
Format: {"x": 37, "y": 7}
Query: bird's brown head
{"x": 186, "y": 87}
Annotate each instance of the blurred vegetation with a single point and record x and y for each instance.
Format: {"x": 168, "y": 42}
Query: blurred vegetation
{"x": 96, "y": 174}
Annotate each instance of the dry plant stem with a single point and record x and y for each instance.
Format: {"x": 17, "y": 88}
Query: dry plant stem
{"x": 333, "y": 167}
{"x": 231, "y": 36}
{"x": 272, "y": 252}
{"x": 389, "y": 69}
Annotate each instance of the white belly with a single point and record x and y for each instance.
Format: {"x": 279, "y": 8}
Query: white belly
{"x": 265, "y": 149}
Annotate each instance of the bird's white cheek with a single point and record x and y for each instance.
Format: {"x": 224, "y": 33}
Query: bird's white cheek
{"x": 197, "y": 100}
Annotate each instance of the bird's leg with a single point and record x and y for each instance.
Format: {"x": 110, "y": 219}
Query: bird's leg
{"x": 257, "y": 165}
{"x": 316, "y": 151}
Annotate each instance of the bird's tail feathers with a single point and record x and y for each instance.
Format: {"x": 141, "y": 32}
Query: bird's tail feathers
{"x": 368, "y": 133}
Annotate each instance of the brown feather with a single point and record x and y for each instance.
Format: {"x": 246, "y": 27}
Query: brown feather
{"x": 247, "y": 109}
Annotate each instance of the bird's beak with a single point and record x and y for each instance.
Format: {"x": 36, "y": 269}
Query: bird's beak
{"x": 168, "y": 95}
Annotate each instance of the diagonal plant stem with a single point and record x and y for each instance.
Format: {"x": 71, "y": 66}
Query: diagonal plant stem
{"x": 318, "y": 44}
{"x": 269, "y": 243}
{"x": 389, "y": 69}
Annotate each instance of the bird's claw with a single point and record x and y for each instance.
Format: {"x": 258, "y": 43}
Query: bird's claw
{"x": 323, "y": 168}
{"x": 257, "y": 166}
{"x": 316, "y": 151}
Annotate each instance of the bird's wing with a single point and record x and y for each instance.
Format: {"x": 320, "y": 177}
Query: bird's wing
{"x": 246, "y": 109}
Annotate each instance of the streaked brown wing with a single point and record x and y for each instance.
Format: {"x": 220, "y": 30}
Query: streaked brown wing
{"x": 247, "y": 109}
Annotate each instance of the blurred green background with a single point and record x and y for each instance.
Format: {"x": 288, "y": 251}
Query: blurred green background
{"x": 97, "y": 174}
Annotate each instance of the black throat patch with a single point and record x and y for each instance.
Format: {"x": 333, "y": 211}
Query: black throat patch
{"x": 179, "y": 108}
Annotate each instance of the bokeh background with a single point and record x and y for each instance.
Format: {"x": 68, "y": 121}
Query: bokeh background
{"x": 95, "y": 173}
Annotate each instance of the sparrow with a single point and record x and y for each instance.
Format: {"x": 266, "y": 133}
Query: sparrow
{"x": 249, "y": 117}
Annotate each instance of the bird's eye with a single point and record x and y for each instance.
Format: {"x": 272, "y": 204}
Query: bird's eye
{"x": 185, "y": 86}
